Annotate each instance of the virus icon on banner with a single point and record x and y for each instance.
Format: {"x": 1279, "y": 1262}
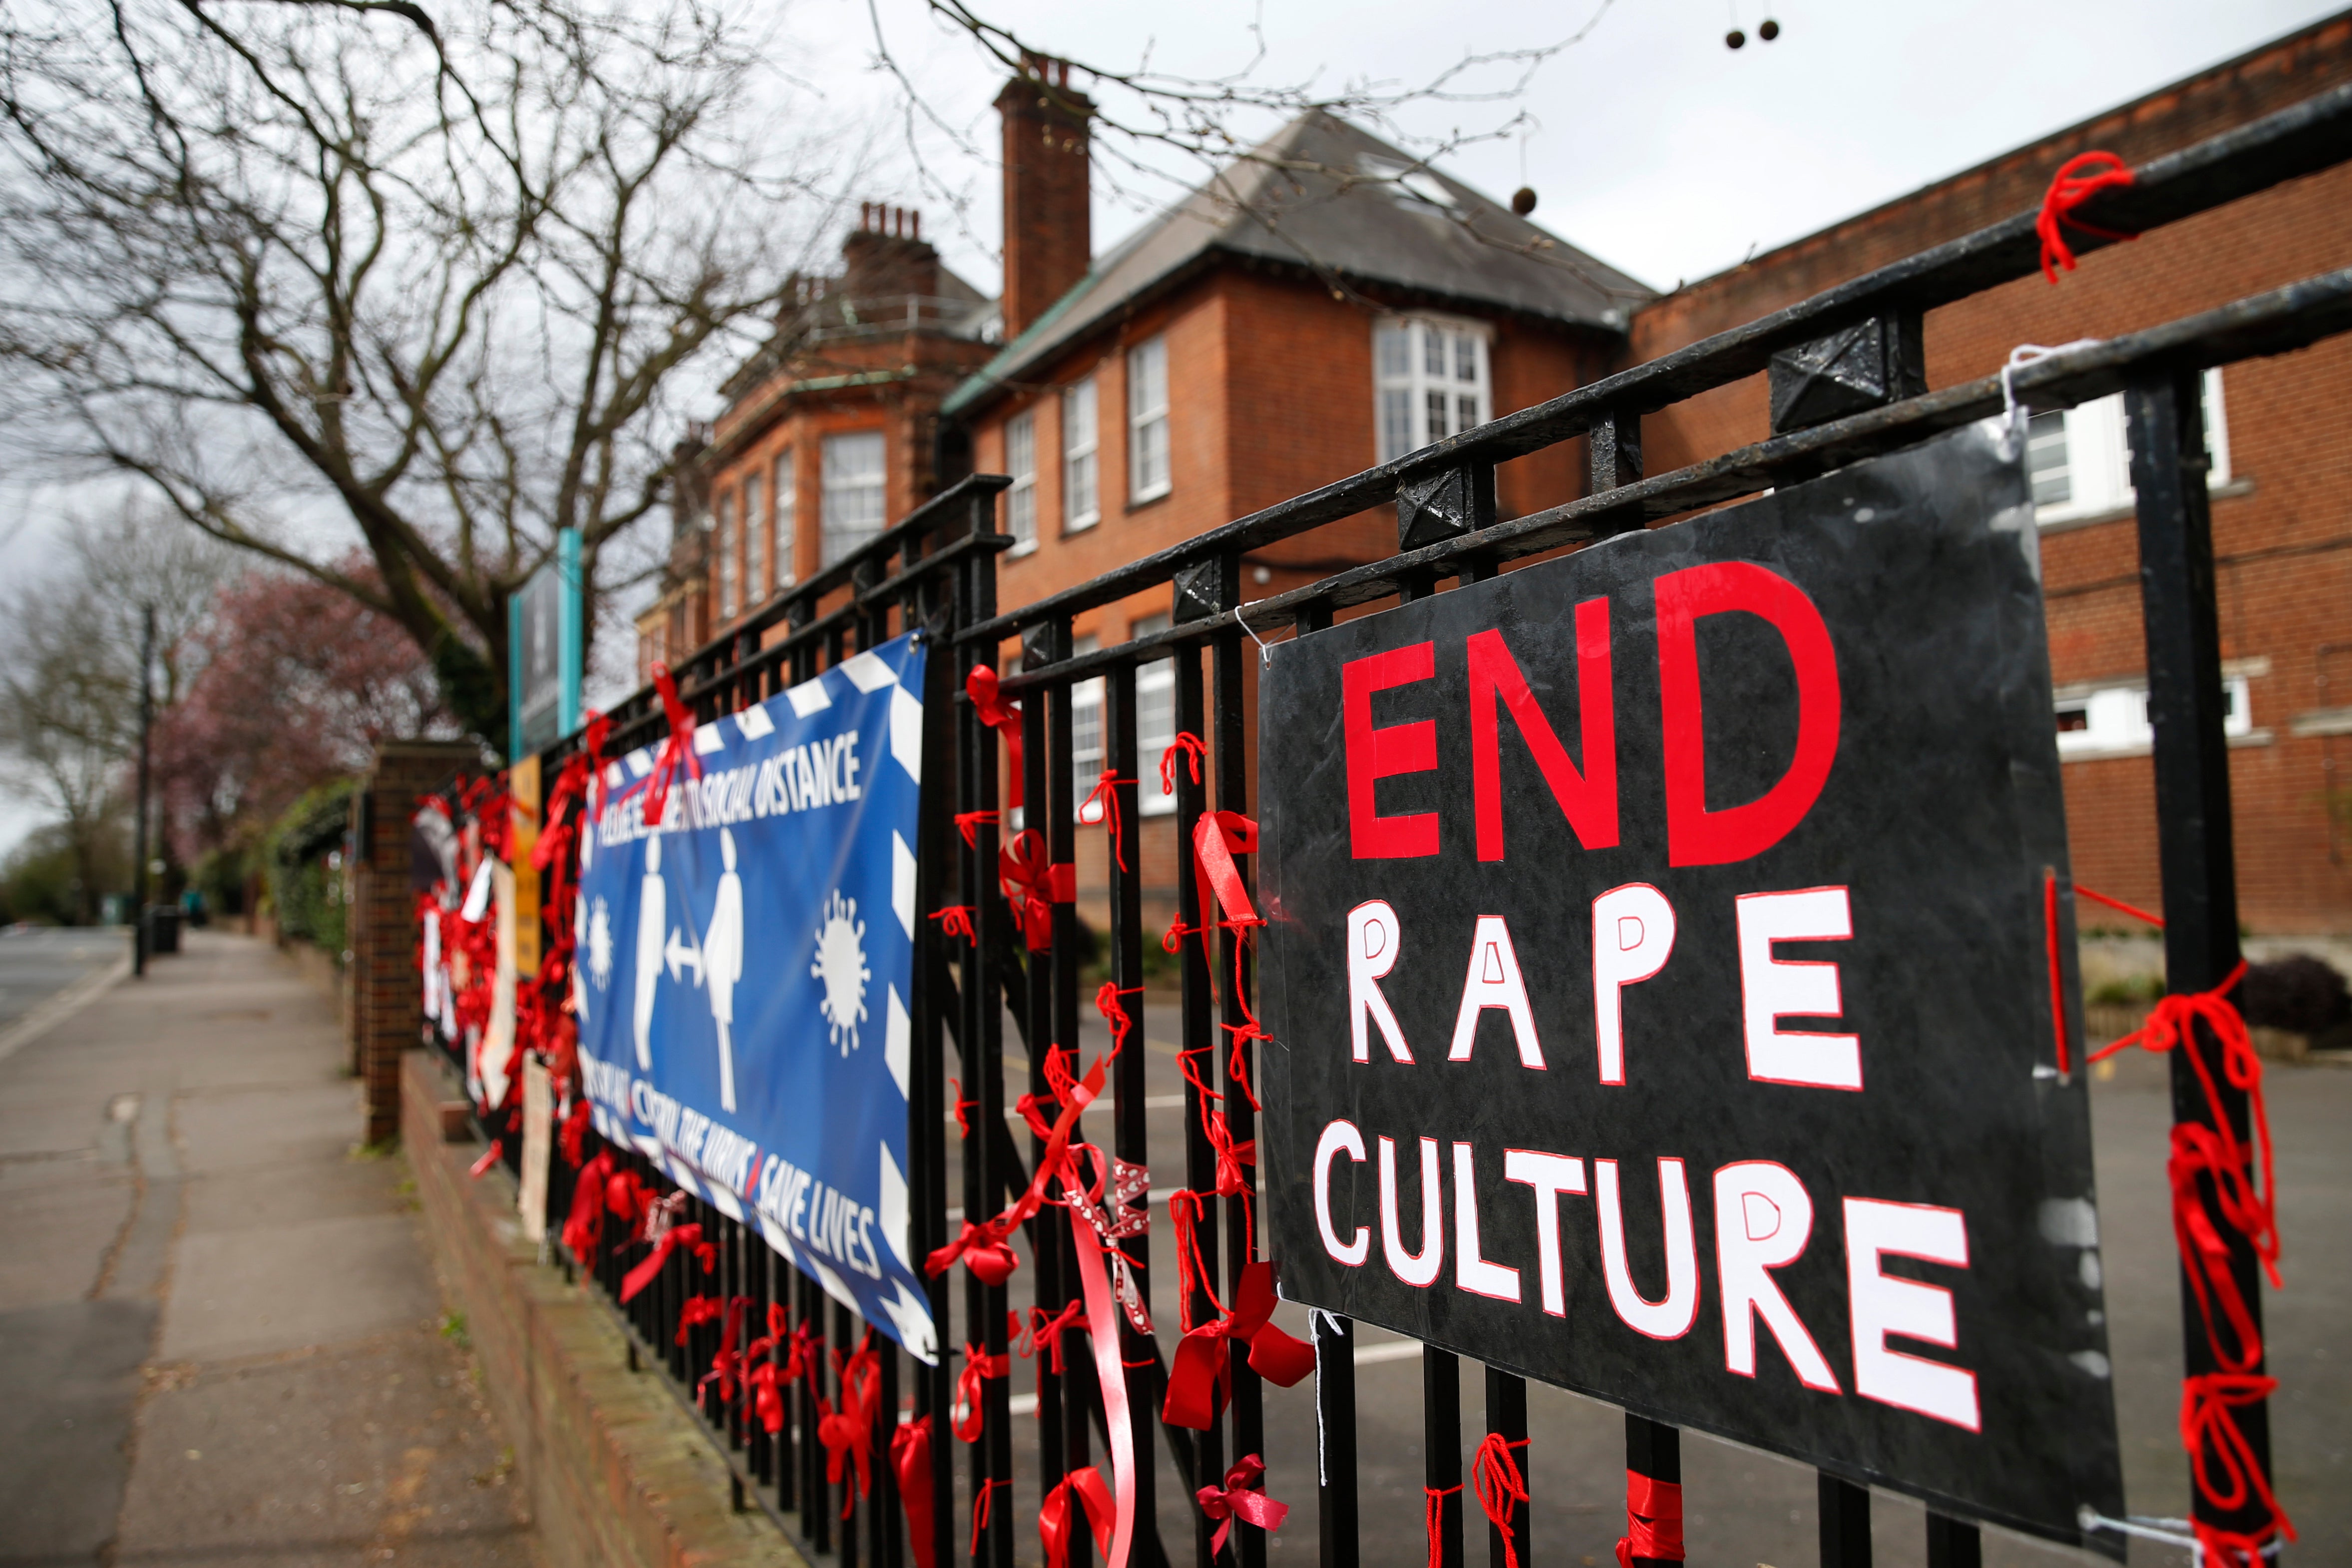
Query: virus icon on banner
{"x": 840, "y": 964}
{"x": 600, "y": 943}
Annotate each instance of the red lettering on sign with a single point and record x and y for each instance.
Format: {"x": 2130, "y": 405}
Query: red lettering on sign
{"x": 1588, "y": 799}
{"x": 1374, "y": 755}
{"x": 1696, "y": 835}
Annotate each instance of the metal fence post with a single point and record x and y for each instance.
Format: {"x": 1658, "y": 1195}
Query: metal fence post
{"x": 2165, "y": 417}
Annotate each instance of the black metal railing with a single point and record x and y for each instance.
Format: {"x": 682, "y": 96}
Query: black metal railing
{"x": 937, "y": 571}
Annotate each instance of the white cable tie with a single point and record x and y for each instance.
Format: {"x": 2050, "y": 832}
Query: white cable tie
{"x": 2024, "y": 355}
{"x": 1265, "y": 653}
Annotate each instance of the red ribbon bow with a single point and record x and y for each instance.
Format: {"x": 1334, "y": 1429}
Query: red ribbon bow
{"x": 1034, "y": 886}
{"x": 910, "y": 1461}
{"x": 575, "y": 1132}
{"x": 967, "y": 823}
{"x": 1217, "y": 837}
{"x": 675, "y": 1237}
{"x": 1003, "y": 717}
{"x": 2071, "y": 187}
{"x": 676, "y": 754}
{"x": 1231, "y": 1156}
{"x": 728, "y": 1366}
{"x": 847, "y": 1435}
{"x": 979, "y": 1247}
{"x": 1046, "y": 1335}
{"x": 978, "y": 1366}
{"x": 1242, "y": 1497}
{"x": 1654, "y": 1521}
{"x": 1054, "y": 1517}
{"x": 1195, "y": 1379}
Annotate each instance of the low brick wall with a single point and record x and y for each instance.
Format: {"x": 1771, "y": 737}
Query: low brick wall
{"x": 614, "y": 1471}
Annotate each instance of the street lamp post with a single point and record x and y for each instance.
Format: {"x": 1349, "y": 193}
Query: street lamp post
{"x": 138, "y": 831}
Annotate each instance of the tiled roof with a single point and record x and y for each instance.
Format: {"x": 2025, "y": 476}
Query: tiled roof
{"x": 1325, "y": 194}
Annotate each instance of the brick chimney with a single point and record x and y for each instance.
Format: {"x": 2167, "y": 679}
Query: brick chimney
{"x": 888, "y": 257}
{"x": 1048, "y": 223}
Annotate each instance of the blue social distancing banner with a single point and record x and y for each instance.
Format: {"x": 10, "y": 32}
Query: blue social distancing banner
{"x": 745, "y": 974}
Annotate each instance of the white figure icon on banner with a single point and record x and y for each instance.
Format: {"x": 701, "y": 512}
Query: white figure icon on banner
{"x": 722, "y": 965}
{"x": 652, "y": 924}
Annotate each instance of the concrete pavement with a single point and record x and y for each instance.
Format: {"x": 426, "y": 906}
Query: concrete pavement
{"x": 220, "y": 1339}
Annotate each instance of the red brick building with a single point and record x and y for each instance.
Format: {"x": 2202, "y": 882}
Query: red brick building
{"x": 2282, "y": 476}
{"x": 1325, "y": 304}
{"x": 830, "y": 429}
{"x": 1328, "y": 302}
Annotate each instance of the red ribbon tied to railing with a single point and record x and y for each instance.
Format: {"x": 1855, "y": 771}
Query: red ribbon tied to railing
{"x": 1034, "y": 886}
{"x": 575, "y": 1133}
{"x": 1217, "y": 837}
{"x": 1001, "y": 716}
{"x": 728, "y": 1366}
{"x": 1114, "y": 1013}
{"x": 968, "y": 823}
{"x": 2228, "y": 1474}
{"x": 1231, "y": 1156}
{"x": 1654, "y": 1521}
{"x": 1200, "y": 1363}
{"x": 481, "y": 1167}
{"x": 1105, "y": 795}
{"x": 1500, "y": 1488}
{"x": 847, "y": 1434}
{"x": 695, "y": 1311}
{"x": 677, "y": 1236}
{"x": 2078, "y": 179}
{"x": 955, "y": 921}
{"x": 978, "y": 1366}
{"x": 1242, "y": 1497}
{"x": 676, "y": 755}
{"x": 910, "y": 1461}
{"x": 1046, "y": 1336}
{"x": 1093, "y": 1494}
{"x": 1191, "y": 749}
{"x": 583, "y": 1228}
{"x": 979, "y": 1247}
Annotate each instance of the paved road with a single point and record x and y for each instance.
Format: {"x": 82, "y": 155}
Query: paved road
{"x": 38, "y": 963}
{"x": 218, "y": 1331}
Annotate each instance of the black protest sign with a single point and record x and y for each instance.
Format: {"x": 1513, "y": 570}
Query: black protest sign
{"x": 1661, "y": 991}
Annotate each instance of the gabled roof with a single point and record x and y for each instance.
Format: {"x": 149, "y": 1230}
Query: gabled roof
{"x": 1323, "y": 194}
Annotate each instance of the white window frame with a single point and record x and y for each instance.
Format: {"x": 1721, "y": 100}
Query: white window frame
{"x": 785, "y": 512}
{"x": 1155, "y": 720}
{"x": 1089, "y": 742}
{"x": 2109, "y": 718}
{"x": 755, "y": 542}
{"x": 1020, "y": 462}
{"x": 723, "y": 537}
{"x": 1081, "y": 457}
{"x": 2097, "y": 456}
{"x": 1148, "y": 430}
{"x": 1402, "y": 420}
{"x": 867, "y": 491}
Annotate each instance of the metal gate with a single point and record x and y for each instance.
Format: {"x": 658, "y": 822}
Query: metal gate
{"x": 936, "y": 572}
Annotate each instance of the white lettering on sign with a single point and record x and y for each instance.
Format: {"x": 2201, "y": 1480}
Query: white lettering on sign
{"x": 1772, "y": 989}
{"x": 1338, "y": 1138}
{"x": 1763, "y": 1217}
{"x": 1420, "y": 1267}
{"x": 1494, "y": 981}
{"x": 1633, "y": 936}
{"x": 1550, "y": 1175}
{"x": 1373, "y": 944}
{"x": 1883, "y": 1304}
{"x": 1472, "y": 1272}
{"x": 1670, "y": 1318}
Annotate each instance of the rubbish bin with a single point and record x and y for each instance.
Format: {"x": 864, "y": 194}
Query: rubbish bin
{"x": 162, "y": 929}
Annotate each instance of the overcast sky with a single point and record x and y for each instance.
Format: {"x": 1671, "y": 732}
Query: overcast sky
{"x": 1649, "y": 144}
{"x": 1652, "y": 146}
